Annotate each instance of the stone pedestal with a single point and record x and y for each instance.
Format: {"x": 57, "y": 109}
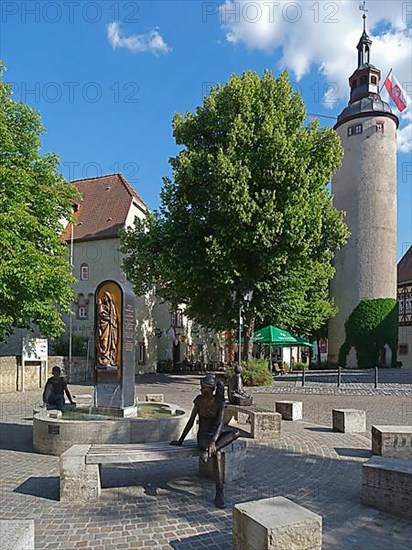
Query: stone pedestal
{"x": 290, "y": 410}
{"x": 392, "y": 441}
{"x": 349, "y": 420}
{"x": 233, "y": 459}
{"x": 275, "y": 524}
{"x": 387, "y": 485}
{"x": 16, "y": 534}
{"x": 79, "y": 482}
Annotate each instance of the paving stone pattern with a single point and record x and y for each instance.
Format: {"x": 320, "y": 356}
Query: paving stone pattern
{"x": 163, "y": 505}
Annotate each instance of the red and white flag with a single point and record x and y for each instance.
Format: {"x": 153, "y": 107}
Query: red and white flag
{"x": 397, "y": 93}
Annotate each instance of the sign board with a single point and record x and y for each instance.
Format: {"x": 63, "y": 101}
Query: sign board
{"x": 34, "y": 349}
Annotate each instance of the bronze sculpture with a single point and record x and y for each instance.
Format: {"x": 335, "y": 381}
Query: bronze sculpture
{"x": 237, "y": 395}
{"x": 107, "y": 332}
{"x": 212, "y": 435}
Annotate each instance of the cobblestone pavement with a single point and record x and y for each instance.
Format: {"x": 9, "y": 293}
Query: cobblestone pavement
{"x": 165, "y": 505}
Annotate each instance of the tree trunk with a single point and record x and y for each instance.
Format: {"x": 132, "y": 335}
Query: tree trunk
{"x": 248, "y": 335}
{"x": 230, "y": 350}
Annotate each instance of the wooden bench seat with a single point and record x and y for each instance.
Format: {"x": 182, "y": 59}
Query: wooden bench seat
{"x": 265, "y": 424}
{"x": 80, "y": 466}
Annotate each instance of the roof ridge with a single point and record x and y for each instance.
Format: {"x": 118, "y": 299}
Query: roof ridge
{"x": 97, "y": 177}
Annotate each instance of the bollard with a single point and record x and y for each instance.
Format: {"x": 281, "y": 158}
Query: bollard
{"x": 376, "y": 377}
{"x": 339, "y": 376}
{"x": 303, "y": 376}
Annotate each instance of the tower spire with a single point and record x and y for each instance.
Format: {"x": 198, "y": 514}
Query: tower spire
{"x": 364, "y": 45}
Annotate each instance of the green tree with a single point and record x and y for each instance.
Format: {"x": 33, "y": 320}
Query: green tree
{"x": 34, "y": 199}
{"x": 247, "y": 208}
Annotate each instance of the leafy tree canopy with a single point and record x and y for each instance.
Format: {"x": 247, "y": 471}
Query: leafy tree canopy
{"x": 247, "y": 208}
{"x": 34, "y": 199}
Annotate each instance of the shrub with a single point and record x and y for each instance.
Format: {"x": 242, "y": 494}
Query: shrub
{"x": 298, "y": 365}
{"x": 254, "y": 373}
{"x": 371, "y": 325}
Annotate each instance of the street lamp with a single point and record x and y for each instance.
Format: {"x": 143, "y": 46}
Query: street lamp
{"x": 246, "y": 298}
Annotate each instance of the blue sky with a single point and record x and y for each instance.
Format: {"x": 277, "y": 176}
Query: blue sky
{"x": 107, "y": 77}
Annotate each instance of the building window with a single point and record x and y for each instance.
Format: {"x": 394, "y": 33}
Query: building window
{"x": 380, "y": 127}
{"x": 403, "y": 349}
{"x": 142, "y": 353}
{"x": 356, "y": 129}
{"x": 374, "y": 80}
{"x": 82, "y": 312}
{"x": 177, "y": 318}
{"x": 84, "y": 272}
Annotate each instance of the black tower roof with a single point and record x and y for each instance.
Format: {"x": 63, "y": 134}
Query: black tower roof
{"x": 365, "y": 99}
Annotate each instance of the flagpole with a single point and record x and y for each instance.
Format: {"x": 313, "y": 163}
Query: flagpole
{"x": 389, "y": 73}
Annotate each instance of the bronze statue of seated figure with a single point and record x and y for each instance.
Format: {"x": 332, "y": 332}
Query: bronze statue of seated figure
{"x": 213, "y": 435}
{"x": 237, "y": 395}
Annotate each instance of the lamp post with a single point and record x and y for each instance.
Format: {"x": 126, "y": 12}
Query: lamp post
{"x": 246, "y": 298}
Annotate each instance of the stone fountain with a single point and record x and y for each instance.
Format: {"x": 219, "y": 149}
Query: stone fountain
{"x": 114, "y": 416}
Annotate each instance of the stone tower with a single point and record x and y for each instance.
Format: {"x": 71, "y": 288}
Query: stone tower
{"x": 365, "y": 188}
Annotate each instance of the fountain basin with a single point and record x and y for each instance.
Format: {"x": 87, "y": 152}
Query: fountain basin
{"x": 53, "y": 436}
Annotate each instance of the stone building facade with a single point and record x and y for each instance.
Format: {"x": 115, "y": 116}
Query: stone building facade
{"x": 405, "y": 309}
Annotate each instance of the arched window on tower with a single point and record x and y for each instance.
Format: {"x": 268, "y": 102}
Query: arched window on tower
{"x": 84, "y": 272}
{"x": 374, "y": 80}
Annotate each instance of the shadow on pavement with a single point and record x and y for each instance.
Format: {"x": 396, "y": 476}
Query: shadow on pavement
{"x": 348, "y": 451}
{"x": 16, "y": 437}
{"x": 319, "y": 429}
{"x": 41, "y": 487}
{"x": 214, "y": 540}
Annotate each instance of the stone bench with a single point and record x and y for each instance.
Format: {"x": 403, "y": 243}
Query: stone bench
{"x": 275, "y": 524}
{"x": 392, "y": 441}
{"x": 387, "y": 485}
{"x": 349, "y": 420}
{"x": 80, "y": 466}
{"x": 265, "y": 424}
{"x": 290, "y": 410}
{"x": 16, "y": 534}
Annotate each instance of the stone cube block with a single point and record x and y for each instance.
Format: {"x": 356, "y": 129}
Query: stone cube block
{"x": 392, "y": 441}
{"x": 265, "y": 425}
{"x": 290, "y": 410}
{"x": 16, "y": 534}
{"x": 387, "y": 485}
{"x": 275, "y": 524}
{"x": 349, "y": 420}
{"x": 155, "y": 397}
{"x": 233, "y": 459}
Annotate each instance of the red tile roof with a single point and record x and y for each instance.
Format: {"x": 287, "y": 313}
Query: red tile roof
{"x": 405, "y": 267}
{"x": 103, "y": 210}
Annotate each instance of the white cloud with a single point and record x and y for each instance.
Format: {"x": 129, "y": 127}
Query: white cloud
{"x": 324, "y": 34}
{"x": 151, "y": 42}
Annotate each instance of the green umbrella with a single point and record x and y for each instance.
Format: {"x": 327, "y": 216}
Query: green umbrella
{"x": 275, "y": 337}
{"x": 303, "y": 342}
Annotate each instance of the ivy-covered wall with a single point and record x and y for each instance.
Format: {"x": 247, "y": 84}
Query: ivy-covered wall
{"x": 371, "y": 325}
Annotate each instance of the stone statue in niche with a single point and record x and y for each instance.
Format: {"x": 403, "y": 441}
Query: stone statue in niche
{"x": 107, "y": 332}
{"x": 237, "y": 395}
